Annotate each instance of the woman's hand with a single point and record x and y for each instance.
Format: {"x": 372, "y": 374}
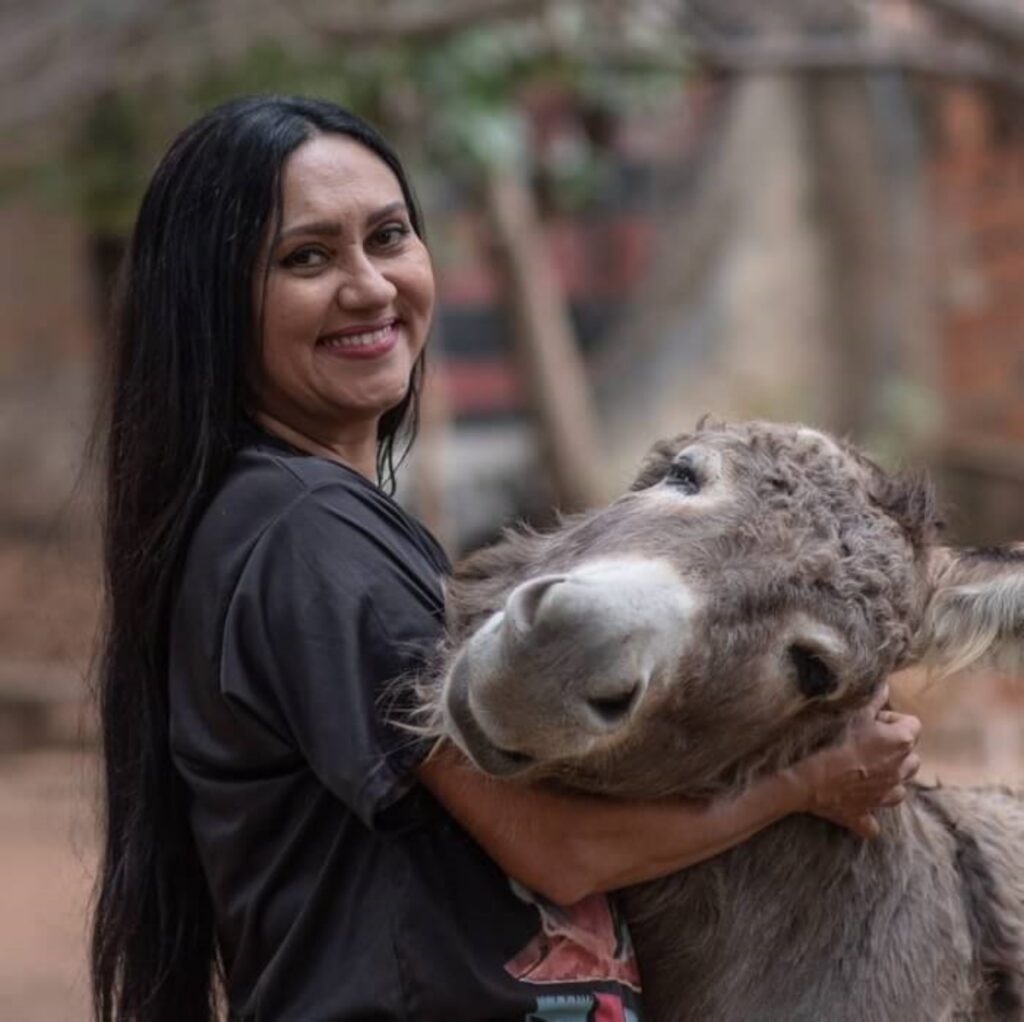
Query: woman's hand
{"x": 868, "y": 770}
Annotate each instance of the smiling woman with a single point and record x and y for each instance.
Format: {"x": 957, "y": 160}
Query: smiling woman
{"x": 346, "y": 300}
{"x": 272, "y": 839}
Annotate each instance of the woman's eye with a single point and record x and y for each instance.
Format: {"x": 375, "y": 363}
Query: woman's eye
{"x": 681, "y": 475}
{"x": 390, "y": 235}
{"x": 305, "y": 258}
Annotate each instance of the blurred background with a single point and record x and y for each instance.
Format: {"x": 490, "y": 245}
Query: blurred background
{"x": 639, "y": 212}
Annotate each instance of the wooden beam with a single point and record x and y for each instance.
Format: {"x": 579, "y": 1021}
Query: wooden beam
{"x": 945, "y": 59}
{"x": 546, "y": 343}
{"x": 390, "y": 21}
{"x": 1004, "y": 22}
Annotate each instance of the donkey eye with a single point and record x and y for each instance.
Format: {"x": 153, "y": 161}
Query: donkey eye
{"x": 681, "y": 475}
{"x": 813, "y": 676}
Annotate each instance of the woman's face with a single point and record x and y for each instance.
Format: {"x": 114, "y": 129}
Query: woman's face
{"x": 348, "y": 295}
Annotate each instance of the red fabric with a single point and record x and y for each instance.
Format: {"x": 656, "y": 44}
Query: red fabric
{"x": 577, "y": 944}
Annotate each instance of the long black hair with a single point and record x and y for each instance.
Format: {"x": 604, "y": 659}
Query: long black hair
{"x": 185, "y": 334}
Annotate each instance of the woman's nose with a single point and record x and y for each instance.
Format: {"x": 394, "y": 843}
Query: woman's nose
{"x": 363, "y": 285}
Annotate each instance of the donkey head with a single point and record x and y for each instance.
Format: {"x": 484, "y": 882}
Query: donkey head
{"x": 727, "y": 615}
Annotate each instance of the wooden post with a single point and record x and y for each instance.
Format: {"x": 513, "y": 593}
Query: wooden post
{"x": 546, "y": 344}
{"x": 428, "y": 476}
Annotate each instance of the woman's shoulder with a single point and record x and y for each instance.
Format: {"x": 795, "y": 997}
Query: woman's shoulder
{"x": 271, "y": 471}
{"x": 270, "y": 490}
{"x": 273, "y": 496}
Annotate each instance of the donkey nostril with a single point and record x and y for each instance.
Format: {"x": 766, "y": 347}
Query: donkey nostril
{"x": 522, "y": 606}
{"x": 613, "y": 709}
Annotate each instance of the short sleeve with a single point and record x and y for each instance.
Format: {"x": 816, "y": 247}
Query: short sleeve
{"x": 327, "y": 623}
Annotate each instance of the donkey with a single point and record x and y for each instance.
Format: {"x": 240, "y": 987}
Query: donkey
{"x": 726, "y": 616}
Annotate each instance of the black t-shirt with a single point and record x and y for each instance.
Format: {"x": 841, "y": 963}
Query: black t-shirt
{"x": 341, "y": 889}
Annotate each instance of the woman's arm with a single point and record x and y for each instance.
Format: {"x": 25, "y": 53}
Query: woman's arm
{"x": 566, "y": 846}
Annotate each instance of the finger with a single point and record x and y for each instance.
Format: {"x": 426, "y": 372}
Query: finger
{"x": 865, "y": 794}
{"x": 866, "y": 825}
{"x": 913, "y": 725}
{"x": 879, "y": 699}
{"x": 910, "y": 767}
{"x": 872, "y": 795}
{"x": 876, "y": 795}
{"x": 902, "y": 731}
{"x": 879, "y": 779}
{"x": 908, "y": 726}
{"x": 893, "y": 797}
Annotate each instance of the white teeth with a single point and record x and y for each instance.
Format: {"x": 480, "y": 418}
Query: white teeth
{"x": 364, "y": 340}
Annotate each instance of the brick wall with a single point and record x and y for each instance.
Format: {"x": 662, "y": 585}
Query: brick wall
{"x": 975, "y": 723}
{"x": 978, "y": 175}
{"x": 980, "y": 199}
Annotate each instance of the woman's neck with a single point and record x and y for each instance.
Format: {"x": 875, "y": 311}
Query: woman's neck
{"x": 357, "y": 451}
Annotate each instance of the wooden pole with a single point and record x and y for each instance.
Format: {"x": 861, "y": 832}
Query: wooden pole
{"x": 428, "y": 476}
{"x": 546, "y": 344}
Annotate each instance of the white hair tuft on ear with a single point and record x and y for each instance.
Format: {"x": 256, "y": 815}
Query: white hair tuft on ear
{"x": 982, "y": 619}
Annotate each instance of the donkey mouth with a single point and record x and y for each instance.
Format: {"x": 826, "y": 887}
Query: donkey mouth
{"x": 467, "y": 733}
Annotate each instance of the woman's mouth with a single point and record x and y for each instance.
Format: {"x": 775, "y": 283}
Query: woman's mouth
{"x": 371, "y": 342}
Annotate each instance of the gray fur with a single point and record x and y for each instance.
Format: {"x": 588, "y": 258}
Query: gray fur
{"x": 791, "y": 533}
{"x": 995, "y": 938}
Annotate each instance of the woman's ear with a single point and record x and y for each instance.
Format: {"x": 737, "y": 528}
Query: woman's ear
{"x": 975, "y": 608}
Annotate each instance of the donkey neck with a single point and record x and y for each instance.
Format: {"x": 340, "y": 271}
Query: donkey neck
{"x": 777, "y": 927}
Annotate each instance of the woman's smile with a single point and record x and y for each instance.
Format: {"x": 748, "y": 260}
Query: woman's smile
{"x": 362, "y": 341}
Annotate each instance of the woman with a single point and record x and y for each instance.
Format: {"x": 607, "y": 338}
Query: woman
{"x": 263, "y": 820}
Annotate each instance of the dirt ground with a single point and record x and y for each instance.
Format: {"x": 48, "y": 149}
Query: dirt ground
{"x": 48, "y": 855}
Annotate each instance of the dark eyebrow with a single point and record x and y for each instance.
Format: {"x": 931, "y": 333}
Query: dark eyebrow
{"x": 332, "y": 228}
{"x": 389, "y": 210}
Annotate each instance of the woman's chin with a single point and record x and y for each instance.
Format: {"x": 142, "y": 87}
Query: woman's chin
{"x": 370, "y": 403}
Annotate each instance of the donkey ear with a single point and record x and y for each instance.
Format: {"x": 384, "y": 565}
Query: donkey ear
{"x": 975, "y": 607}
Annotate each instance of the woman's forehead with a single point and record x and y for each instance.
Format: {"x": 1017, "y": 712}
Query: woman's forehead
{"x": 333, "y": 176}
